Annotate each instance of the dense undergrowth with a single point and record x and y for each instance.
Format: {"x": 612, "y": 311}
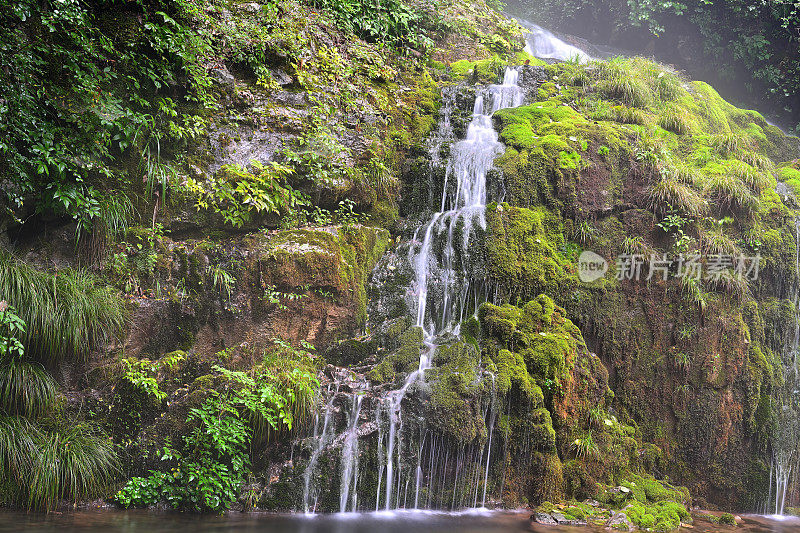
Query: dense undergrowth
{"x": 46, "y": 456}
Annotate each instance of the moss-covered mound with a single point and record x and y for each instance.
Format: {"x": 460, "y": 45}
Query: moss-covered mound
{"x": 628, "y": 158}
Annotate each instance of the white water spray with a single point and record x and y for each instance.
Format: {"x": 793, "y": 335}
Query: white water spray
{"x": 543, "y": 44}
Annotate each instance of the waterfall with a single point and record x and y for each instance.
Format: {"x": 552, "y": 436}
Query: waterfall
{"x": 470, "y": 160}
{"x": 349, "y": 478}
{"x": 461, "y": 208}
{"x": 787, "y": 440}
{"x": 322, "y": 437}
{"x": 541, "y": 43}
{"x": 443, "y": 293}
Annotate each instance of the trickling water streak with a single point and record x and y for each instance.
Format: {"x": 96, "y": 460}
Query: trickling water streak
{"x": 322, "y": 439}
{"x": 350, "y": 457}
{"x": 380, "y": 459}
{"x": 492, "y": 417}
{"x": 785, "y": 445}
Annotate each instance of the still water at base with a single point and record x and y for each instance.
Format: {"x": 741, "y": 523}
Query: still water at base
{"x": 384, "y": 522}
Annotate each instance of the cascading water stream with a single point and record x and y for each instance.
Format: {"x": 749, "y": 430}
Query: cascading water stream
{"x": 323, "y": 437}
{"x": 785, "y": 447}
{"x": 541, "y": 43}
{"x": 469, "y": 162}
{"x": 443, "y": 295}
{"x": 349, "y": 480}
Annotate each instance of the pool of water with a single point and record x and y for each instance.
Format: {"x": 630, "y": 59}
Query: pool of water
{"x": 473, "y": 521}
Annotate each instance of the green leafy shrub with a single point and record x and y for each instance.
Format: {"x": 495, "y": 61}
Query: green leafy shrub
{"x": 213, "y": 460}
{"x": 236, "y": 194}
{"x": 392, "y": 21}
{"x": 209, "y": 470}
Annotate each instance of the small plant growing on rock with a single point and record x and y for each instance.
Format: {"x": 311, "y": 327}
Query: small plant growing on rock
{"x": 586, "y": 448}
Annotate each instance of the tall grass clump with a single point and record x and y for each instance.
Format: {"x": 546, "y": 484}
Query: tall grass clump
{"x": 43, "y": 459}
{"x": 620, "y": 79}
{"x": 715, "y": 242}
{"x": 67, "y": 313}
{"x": 115, "y": 212}
{"x": 627, "y": 115}
{"x": 684, "y": 173}
{"x": 668, "y": 86}
{"x": 728, "y": 143}
{"x": 756, "y": 160}
{"x": 669, "y": 194}
{"x": 729, "y": 192}
{"x": 673, "y": 118}
{"x": 751, "y": 176}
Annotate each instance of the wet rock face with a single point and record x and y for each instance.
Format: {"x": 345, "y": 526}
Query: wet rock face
{"x": 531, "y": 77}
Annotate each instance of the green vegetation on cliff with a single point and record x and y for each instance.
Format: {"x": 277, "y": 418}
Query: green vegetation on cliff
{"x": 48, "y": 456}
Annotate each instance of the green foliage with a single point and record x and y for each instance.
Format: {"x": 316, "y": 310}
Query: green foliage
{"x": 392, "y": 21}
{"x": 224, "y": 282}
{"x": 43, "y": 461}
{"x": 65, "y": 136}
{"x": 213, "y": 460}
{"x": 235, "y": 194}
{"x": 273, "y": 405}
{"x": 11, "y": 327}
{"x": 210, "y": 468}
{"x": 67, "y": 314}
{"x": 346, "y": 214}
{"x": 674, "y": 225}
{"x": 142, "y": 374}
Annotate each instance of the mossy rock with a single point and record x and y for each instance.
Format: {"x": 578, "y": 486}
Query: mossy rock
{"x": 403, "y": 360}
{"x": 334, "y": 260}
{"x": 350, "y": 352}
{"x": 523, "y": 254}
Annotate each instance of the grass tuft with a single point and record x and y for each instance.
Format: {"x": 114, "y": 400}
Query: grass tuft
{"x": 68, "y": 313}
{"x": 729, "y": 192}
{"x": 673, "y": 119}
{"x": 693, "y": 293}
{"x": 728, "y": 143}
{"x": 670, "y": 194}
{"x": 41, "y": 467}
{"x": 621, "y": 79}
{"x": 26, "y": 389}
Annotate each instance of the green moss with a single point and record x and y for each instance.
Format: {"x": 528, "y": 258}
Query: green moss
{"x": 454, "y": 383}
{"x": 660, "y": 516}
{"x": 790, "y": 176}
{"x": 481, "y": 71}
{"x": 569, "y": 160}
{"x": 337, "y": 260}
{"x": 728, "y": 519}
{"x": 401, "y": 361}
{"x": 522, "y": 251}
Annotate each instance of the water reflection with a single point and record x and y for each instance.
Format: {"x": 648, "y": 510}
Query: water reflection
{"x": 471, "y": 521}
